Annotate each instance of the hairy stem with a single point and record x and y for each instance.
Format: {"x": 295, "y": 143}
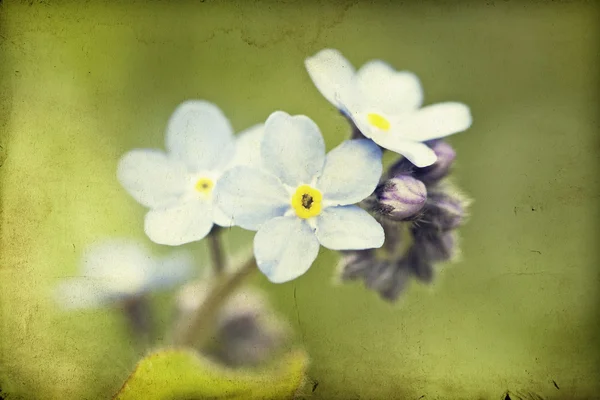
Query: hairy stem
{"x": 202, "y": 323}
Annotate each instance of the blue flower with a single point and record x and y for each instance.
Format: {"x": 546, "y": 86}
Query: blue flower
{"x": 177, "y": 186}
{"x": 385, "y": 105}
{"x": 300, "y": 199}
{"x": 120, "y": 269}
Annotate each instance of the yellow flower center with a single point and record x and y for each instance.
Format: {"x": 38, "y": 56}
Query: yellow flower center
{"x": 204, "y": 185}
{"x": 378, "y": 121}
{"x": 306, "y": 202}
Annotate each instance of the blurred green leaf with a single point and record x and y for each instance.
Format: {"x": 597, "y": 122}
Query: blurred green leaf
{"x": 184, "y": 374}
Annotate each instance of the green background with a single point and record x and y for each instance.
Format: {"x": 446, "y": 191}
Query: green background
{"x": 81, "y": 85}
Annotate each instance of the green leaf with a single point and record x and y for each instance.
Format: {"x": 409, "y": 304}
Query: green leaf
{"x": 176, "y": 374}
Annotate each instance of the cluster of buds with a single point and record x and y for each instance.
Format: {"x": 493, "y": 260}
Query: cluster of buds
{"x": 420, "y": 212}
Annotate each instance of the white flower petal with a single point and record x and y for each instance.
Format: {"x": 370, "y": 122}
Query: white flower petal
{"x": 385, "y": 89}
{"x": 247, "y": 147}
{"x": 351, "y": 172}
{"x": 418, "y": 153}
{"x": 332, "y": 74}
{"x": 433, "y": 122}
{"x": 249, "y": 196}
{"x": 348, "y": 228}
{"x": 171, "y": 270}
{"x": 200, "y": 135}
{"x": 152, "y": 178}
{"x": 220, "y": 218}
{"x": 285, "y": 248}
{"x": 82, "y": 292}
{"x": 119, "y": 265}
{"x": 292, "y": 148}
{"x": 184, "y": 223}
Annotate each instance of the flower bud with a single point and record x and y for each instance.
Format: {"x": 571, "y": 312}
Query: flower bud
{"x": 389, "y": 278}
{"x": 445, "y": 157}
{"x": 433, "y": 245}
{"x": 400, "y": 198}
{"x": 419, "y": 264}
{"x": 431, "y": 174}
{"x": 444, "y": 212}
{"x": 355, "y": 263}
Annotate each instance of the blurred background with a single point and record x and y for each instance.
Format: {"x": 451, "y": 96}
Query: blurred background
{"x": 81, "y": 84}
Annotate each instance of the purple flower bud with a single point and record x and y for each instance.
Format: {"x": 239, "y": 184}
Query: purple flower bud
{"x": 433, "y": 246}
{"x": 387, "y": 277}
{"x": 356, "y": 263}
{"x": 400, "y": 198}
{"x": 431, "y": 174}
{"x": 444, "y": 212}
{"x": 419, "y": 264}
{"x": 445, "y": 157}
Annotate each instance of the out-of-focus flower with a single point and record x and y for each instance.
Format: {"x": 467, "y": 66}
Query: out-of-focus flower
{"x": 388, "y": 277}
{"x": 119, "y": 270}
{"x": 177, "y": 186}
{"x": 385, "y": 105}
{"x": 247, "y": 333}
{"x": 444, "y": 210}
{"x": 301, "y": 198}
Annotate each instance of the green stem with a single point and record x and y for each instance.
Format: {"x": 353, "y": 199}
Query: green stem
{"x": 202, "y": 323}
{"x": 216, "y": 251}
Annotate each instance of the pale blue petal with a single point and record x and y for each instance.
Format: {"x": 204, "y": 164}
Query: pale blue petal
{"x": 121, "y": 265}
{"x": 184, "y": 223}
{"x": 81, "y": 293}
{"x": 248, "y": 197}
{"x": 385, "y": 89}
{"x": 432, "y": 122}
{"x": 199, "y": 134}
{"x": 285, "y": 248}
{"x": 332, "y": 74}
{"x": 348, "y": 228}
{"x": 418, "y": 153}
{"x": 351, "y": 173}
{"x": 247, "y": 147}
{"x": 152, "y": 178}
{"x": 171, "y": 270}
{"x": 292, "y": 148}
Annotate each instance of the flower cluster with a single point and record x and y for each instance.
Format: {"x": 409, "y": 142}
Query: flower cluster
{"x": 420, "y": 212}
{"x": 276, "y": 179}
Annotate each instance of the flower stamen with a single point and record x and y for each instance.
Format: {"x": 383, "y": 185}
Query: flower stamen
{"x": 204, "y": 185}
{"x": 379, "y": 121}
{"x": 306, "y": 202}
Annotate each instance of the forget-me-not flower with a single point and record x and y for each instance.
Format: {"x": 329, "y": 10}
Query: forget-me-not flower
{"x": 300, "y": 198}
{"x": 177, "y": 186}
{"x": 385, "y": 105}
{"x": 121, "y": 269}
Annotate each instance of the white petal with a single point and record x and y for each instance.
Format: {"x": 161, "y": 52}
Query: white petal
{"x": 332, "y": 74}
{"x": 249, "y": 196}
{"x": 171, "y": 270}
{"x": 200, "y": 135}
{"x": 220, "y": 218}
{"x": 247, "y": 147}
{"x": 293, "y": 148}
{"x": 351, "y": 173}
{"x": 383, "y": 88}
{"x": 152, "y": 178}
{"x": 285, "y": 248}
{"x": 348, "y": 228}
{"x": 119, "y": 265}
{"x": 184, "y": 223}
{"x": 82, "y": 292}
{"x": 433, "y": 122}
{"x": 418, "y": 153}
